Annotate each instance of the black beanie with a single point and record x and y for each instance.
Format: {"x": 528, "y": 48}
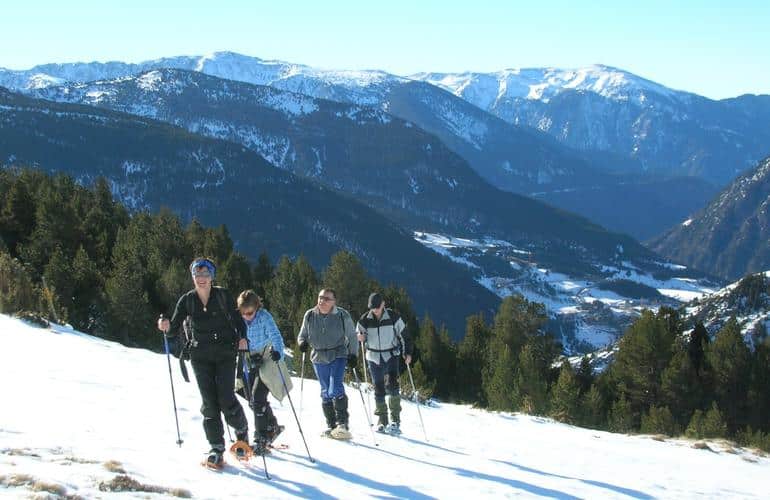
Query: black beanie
{"x": 375, "y": 300}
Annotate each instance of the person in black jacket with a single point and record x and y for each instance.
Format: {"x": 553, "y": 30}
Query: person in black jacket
{"x": 383, "y": 333}
{"x": 215, "y": 331}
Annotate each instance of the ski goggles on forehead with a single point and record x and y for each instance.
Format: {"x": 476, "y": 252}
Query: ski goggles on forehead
{"x": 196, "y": 271}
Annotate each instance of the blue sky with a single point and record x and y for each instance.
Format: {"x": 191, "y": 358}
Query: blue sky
{"x": 714, "y": 48}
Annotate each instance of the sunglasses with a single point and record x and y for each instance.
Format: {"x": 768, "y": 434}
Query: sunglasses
{"x": 202, "y": 274}
{"x": 324, "y": 298}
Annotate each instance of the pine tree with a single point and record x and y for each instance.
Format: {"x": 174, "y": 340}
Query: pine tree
{"x": 499, "y": 379}
{"x": 708, "y": 425}
{"x": 262, "y": 274}
{"x": 621, "y": 418}
{"x": 729, "y": 361}
{"x": 699, "y": 339}
{"x": 17, "y": 293}
{"x": 471, "y": 359}
{"x": 291, "y": 292}
{"x": 681, "y": 388}
{"x": 532, "y": 378}
{"x": 347, "y": 277}
{"x": 585, "y": 374}
{"x": 759, "y": 386}
{"x": 592, "y": 408}
{"x": 659, "y": 421}
{"x": 58, "y": 274}
{"x": 645, "y": 351}
{"x": 565, "y": 395}
{"x": 235, "y": 274}
{"x": 17, "y": 215}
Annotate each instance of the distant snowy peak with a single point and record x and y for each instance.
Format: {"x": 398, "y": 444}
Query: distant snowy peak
{"x": 542, "y": 84}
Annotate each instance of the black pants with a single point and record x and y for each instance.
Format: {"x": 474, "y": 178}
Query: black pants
{"x": 379, "y": 373}
{"x": 214, "y": 369}
{"x": 264, "y": 420}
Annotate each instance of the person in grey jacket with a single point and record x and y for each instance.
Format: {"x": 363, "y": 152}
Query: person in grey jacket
{"x": 330, "y": 332}
{"x": 383, "y": 333}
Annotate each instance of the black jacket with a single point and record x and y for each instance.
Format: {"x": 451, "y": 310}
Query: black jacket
{"x": 218, "y": 323}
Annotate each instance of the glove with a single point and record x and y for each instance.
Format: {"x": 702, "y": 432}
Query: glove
{"x": 275, "y": 355}
{"x": 352, "y": 360}
{"x": 303, "y": 346}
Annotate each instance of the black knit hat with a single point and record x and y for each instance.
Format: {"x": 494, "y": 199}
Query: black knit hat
{"x": 375, "y": 300}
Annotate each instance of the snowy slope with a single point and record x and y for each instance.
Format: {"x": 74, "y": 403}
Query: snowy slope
{"x": 77, "y": 402}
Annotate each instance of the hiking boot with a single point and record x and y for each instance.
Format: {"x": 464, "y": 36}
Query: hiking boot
{"x": 261, "y": 446}
{"x": 341, "y": 411}
{"x": 215, "y": 459}
{"x": 329, "y": 414}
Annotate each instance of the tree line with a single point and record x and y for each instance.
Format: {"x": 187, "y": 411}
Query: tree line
{"x": 74, "y": 254}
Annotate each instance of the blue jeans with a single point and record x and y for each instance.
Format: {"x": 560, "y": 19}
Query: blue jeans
{"x": 379, "y": 372}
{"x": 330, "y": 377}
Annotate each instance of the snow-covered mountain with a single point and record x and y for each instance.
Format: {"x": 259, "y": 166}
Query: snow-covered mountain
{"x": 513, "y": 158}
{"x": 601, "y": 108}
{"x": 747, "y": 300}
{"x": 381, "y": 160}
{"x": 89, "y": 417}
{"x": 729, "y": 237}
{"x": 150, "y": 164}
{"x": 510, "y": 157}
{"x": 589, "y": 308}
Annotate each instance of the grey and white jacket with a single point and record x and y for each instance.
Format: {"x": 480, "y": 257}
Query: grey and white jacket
{"x": 385, "y": 337}
{"x": 330, "y": 336}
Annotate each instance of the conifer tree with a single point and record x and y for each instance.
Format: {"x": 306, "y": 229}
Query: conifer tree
{"x": 585, "y": 374}
{"x": 645, "y": 351}
{"x": 699, "y": 339}
{"x": 17, "y": 293}
{"x": 291, "y": 292}
{"x": 499, "y": 380}
{"x": 621, "y": 418}
{"x": 759, "y": 387}
{"x": 472, "y": 358}
{"x": 729, "y": 362}
{"x": 262, "y": 274}
{"x": 17, "y": 214}
{"x": 235, "y": 274}
{"x": 658, "y": 420}
{"x": 592, "y": 408}
{"x": 347, "y": 277}
{"x": 565, "y": 395}
{"x": 532, "y": 377}
{"x": 681, "y": 388}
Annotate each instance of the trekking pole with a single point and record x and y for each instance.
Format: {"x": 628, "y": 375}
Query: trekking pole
{"x": 171, "y": 378}
{"x": 301, "y": 381}
{"x": 248, "y": 390}
{"x": 368, "y": 389}
{"x": 417, "y": 400}
{"x": 366, "y": 410}
{"x": 286, "y": 389}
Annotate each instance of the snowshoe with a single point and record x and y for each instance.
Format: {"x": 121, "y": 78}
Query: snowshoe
{"x": 241, "y": 451}
{"x": 341, "y": 432}
{"x": 273, "y": 434}
{"x": 214, "y": 460}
